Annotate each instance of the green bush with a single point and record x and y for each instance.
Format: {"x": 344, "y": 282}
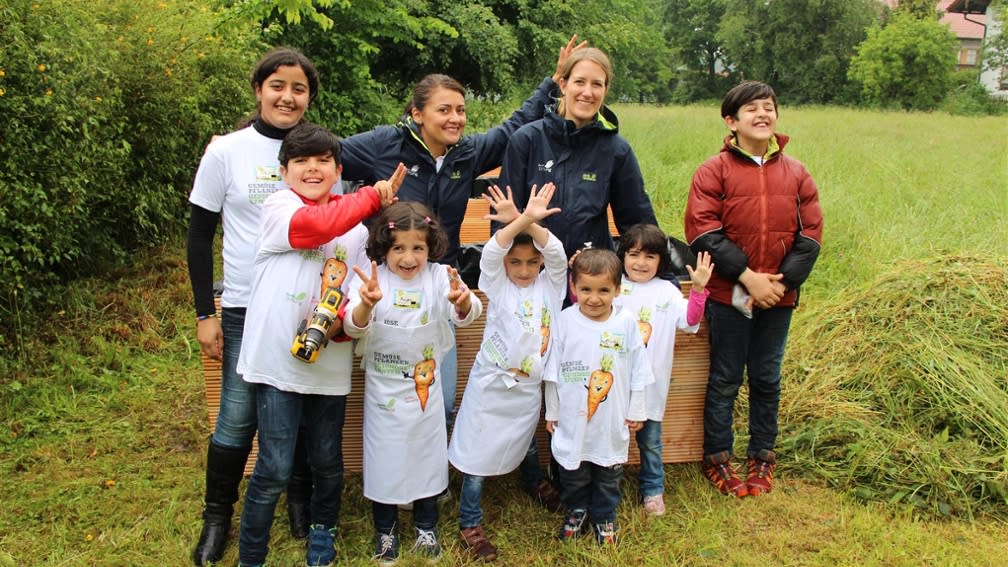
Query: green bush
{"x": 969, "y": 98}
{"x": 908, "y": 64}
{"x": 107, "y": 107}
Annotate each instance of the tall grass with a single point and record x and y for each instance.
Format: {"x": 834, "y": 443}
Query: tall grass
{"x": 103, "y": 430}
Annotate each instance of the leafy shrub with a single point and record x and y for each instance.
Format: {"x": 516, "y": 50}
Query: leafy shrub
{"x": 907, "y": 64}
{"x": 969, "y": 98}
{"x": 107, "y": 106}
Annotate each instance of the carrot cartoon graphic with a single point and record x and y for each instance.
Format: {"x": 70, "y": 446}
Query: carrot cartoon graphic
{"x": 644, "y": 324}
{"x": 526, "y": 367}
{"x": 423, "y": 376}
{"x": 544, "y": 331}
{"x": 599, "y": 384}
{"x": 334, "y": 271}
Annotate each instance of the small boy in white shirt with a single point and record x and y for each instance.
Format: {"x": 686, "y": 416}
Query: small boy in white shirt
{"x": 594, "y": 380}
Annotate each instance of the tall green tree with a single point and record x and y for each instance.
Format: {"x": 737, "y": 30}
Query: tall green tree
{"x": 801, "y": 47}
{"x": 907, "y": 64}
{"x": 357, "y": 93}
{"x": 690, "y": 28}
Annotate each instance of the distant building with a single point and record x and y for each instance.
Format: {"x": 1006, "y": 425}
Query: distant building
{"x": 994, "y": 80}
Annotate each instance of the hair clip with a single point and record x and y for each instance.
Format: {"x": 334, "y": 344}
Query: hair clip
{"x": 426, "y": 220}
{"x": 391, "y": 225}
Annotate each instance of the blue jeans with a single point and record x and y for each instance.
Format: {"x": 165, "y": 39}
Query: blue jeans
{"x": 755, "y": 346}
{"x": 651, "y": 480}
{"x": 470, "y": 510}
{"x": 386, "y": 516}
{"x": 593, "y": 488}
{"x": 236, "y": 420}
{"x": 279, "y": 414}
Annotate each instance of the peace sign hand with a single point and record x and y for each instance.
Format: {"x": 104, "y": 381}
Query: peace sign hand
{"x": 370, "y": 292}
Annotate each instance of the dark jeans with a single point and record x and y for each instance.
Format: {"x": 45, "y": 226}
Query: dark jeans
{"x": 470, "y": 509}
{"x": 593, "y": 488}
{"x": 279, "y": 415}
{"x": 755, "y": 346}
{"x": 386, "y": 516}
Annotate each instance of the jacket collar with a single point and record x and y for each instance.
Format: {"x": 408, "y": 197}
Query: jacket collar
{"x": 777, "y": 143}
{"x": 412, "y": 131}
{"x": 605, "y": 122}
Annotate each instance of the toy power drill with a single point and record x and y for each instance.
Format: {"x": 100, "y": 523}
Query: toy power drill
{"x": 313, "y": 333}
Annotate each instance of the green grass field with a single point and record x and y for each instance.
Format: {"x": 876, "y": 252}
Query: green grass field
{"x": 103, "y": 421}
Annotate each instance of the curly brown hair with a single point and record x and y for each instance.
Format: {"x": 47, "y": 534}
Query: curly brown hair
{"x": 597, "y": 261}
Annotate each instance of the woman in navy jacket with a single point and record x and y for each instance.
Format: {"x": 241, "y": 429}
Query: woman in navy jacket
{"x": 577, "y": 147}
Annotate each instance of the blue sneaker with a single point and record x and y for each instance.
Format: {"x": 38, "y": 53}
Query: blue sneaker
{"x": 321, "y": 546}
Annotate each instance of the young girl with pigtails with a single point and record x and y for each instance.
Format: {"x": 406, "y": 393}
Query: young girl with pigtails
{"x": 402, "y": 313}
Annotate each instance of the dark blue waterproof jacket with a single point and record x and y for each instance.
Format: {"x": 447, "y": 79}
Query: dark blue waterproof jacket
{"x": 373, "y": 155}
{"x": 593, "y": 167}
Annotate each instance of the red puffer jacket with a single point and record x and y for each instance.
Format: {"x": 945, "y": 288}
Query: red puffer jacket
{"x": 766, "y": 218}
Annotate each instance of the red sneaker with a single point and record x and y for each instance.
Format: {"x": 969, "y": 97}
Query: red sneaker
{"x": 761, "y": 468}
{"x": 719, "y": 470}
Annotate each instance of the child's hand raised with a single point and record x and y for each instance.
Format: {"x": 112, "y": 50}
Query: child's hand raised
{"x": 387, "y": 188}
{"x": 506, "y": 210}
{"x": 538, "y": 204}
{"x": 702, "y": 273}
{"x": 458, "y": 294}
{"x": 370, "y": 292}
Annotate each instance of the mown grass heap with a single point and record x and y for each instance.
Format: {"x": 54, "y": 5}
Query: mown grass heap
{"x": 897, "y": 390}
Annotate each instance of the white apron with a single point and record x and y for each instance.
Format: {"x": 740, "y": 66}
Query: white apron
{"x": 501, "y": 405}
{"x": 405, "y": 448}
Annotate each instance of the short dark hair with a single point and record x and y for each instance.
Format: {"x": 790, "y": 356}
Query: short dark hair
{"x": 649, "y": 238}
{"x": 745, "y": 92}
{"x": 523, "y": 239}
{"x": 307, "y": 139}
{"x": 286, "y": 56}
{"x": 406, "y": 215}
{"x": 597, "y": 261}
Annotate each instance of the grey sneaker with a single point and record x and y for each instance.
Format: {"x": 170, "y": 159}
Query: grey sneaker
{"x": 386, "y": 548}
{"x": 427, "y": 543}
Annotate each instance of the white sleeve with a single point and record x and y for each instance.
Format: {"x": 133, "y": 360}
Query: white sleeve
{"x": 210, "y": 185}
{"x": 552, "y": 398}
{"x": 555, "y": 261}
{"x": 637, "y": 409}
{"x": 492, "y": 275}
{"x": 353, "y": 301}
{"x": 274, "y": 226}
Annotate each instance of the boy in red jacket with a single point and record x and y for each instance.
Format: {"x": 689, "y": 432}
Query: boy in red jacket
{"x": 756, "y": 212}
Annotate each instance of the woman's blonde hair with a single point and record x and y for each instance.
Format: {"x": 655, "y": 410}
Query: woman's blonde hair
{"x": 593, "y": 54}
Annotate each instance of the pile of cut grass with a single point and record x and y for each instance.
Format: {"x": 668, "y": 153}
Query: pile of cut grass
{"x": 898, "y": 390}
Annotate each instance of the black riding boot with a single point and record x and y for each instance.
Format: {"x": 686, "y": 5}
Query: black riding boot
{"x": 224, "y": 472}
{"x": 299, "y": 489}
